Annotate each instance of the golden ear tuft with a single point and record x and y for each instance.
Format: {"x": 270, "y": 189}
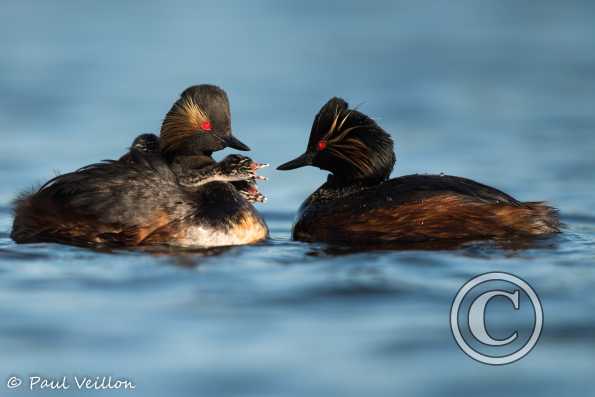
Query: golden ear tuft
{"x": 346, "y": 146}
{"x": 182, "y": 121}
{"x": 194, "y": 115}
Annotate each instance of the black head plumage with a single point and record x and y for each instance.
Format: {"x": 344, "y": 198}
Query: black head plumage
{"x": 347, "y": 143}
{"x": 199, "y": 121}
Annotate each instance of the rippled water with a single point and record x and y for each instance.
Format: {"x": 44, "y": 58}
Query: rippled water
{"x": 497, "y": 91}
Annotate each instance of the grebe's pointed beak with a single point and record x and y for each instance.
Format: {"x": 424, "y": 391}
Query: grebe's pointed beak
{"x": 302, "y": 161}
{"x": 233, "y": 142}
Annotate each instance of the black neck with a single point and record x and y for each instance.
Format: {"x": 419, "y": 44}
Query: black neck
{"x": 182, "y": 165}
{"x": 341, "y": 181}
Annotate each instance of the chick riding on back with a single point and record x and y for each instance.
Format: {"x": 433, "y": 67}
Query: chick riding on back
{"x": 140, "y": 200}
{"x": 198, "y": 124}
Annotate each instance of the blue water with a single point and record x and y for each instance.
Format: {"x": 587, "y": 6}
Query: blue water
{"x": 499, "y": 91}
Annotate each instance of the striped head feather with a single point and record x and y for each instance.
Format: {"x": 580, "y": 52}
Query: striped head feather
{"x": 185, "y": 119}
{"x": 350, "y": 144}
{"x": 199, "y": 120}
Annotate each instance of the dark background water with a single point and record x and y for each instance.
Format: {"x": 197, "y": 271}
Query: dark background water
{"x": 499, "y": 91}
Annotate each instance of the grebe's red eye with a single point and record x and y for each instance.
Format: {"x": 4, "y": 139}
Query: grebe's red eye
{"x": 321, "y": 145}
{"x": 206, "y": 126}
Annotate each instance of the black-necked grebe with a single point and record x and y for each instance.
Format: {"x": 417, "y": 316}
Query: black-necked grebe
{"x": 197, "y": 124}
{"x": 146, "y": 199}
{"x": 359, "y": 204}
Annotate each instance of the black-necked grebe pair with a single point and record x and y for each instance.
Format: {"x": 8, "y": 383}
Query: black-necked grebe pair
{"x": 168, "y": 190}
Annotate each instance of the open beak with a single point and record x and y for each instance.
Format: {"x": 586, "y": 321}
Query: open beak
{"x": 233, "y": 142}
{"x": 302, "y": 161}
